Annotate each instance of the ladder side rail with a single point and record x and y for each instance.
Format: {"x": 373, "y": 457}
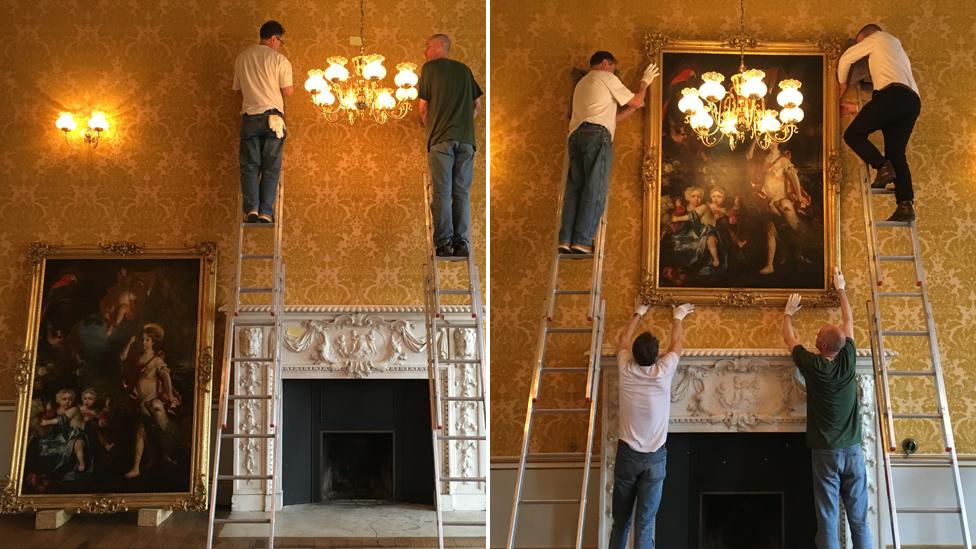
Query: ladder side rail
{"x": 596, "y": 292}
{"x": 592, "y": 398}
{"x": 477, "y": 311}
{"x": 554, "y": 272}
{"x": 881, "y": 389}
{"x": 221, "y": 421}
{"x": 277, "y": 311}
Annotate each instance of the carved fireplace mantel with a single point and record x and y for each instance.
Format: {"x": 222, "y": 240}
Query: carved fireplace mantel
{"x": 736, "y": 391}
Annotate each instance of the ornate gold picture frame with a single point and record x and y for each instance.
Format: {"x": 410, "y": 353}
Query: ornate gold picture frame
{"x": 113, "y": 388}
{"x": 759, "y": 247}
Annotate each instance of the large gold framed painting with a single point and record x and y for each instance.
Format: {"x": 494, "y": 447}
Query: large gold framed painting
{"x": 114, "y": 385}
{"x": 740, "y": 197}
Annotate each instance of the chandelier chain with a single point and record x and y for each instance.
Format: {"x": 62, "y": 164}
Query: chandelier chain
{"x": 742, "y": 34}
{"x": 362, "y": 24}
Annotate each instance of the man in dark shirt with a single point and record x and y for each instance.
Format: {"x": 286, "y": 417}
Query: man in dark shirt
{"x": 449, "y": 101}
{"x": 833, "y": 423}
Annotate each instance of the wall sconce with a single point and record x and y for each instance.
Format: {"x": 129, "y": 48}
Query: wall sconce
{"x": 96, "y": 125}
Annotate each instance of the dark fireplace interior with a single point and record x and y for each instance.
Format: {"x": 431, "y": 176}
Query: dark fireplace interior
{"x": 356, "y": 440}
{"x": 729, "y": 520}
{"x": 755, "y": 485}
{"x": 356, "y": 466}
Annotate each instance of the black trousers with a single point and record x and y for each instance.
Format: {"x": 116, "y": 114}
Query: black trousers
{"x": 892, "y": 110}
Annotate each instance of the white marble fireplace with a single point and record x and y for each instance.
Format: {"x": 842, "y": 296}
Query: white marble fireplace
{"x": 361, "y": 342}
{"x": 738, "y": 391}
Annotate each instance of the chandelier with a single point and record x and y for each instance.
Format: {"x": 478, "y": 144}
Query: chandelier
{"x": 714, "y": 112}
{"x": 358, "y": 91}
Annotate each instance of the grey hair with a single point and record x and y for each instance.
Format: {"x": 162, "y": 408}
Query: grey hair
{"x": 445, "y": 41}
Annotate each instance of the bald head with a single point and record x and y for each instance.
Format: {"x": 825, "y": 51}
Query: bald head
{"x": 830, "y": 340}
{"x": 437, "y": 46}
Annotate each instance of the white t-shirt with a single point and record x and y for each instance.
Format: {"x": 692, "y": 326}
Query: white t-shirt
{"x": 645, "y": 400}
{"x": 595, "y": 100}
{"x": 260, "y": 72}
{"x": 887, "y": 61}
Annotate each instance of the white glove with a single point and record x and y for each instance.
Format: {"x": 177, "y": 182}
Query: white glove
{"x": 792, "y": 305}
{"x": 681, "y": 311}
{"x": 277, "y": 125}
{"x": 640, "y": 309}
{"x": 650, "y": 73}
{"x": 839, "y": 281}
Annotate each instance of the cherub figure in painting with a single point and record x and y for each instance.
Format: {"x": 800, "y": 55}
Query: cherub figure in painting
{"x": 62, "y": 448}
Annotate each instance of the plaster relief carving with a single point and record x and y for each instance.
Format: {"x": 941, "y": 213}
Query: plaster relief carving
{"x": 358, "y": 343}
{"x": 466, "y": 384}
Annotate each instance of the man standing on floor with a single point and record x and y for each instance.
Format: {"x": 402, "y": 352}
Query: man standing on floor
{"x": 645, "y": 406}
{"x": 833, "y": 423}
{"x": 449, "y": 100}
{"x": 590, "y": 147}
{"x": 263, "y": 77}
{"x": 893, "y": 109}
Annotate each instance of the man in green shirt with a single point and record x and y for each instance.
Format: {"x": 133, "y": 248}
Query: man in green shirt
{"x": 833, "y": 423}
{"x": 449, "y": 99}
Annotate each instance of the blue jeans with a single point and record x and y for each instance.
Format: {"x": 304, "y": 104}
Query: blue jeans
{"x": 839, "y": 473}
{"x": 590, "y": 156}
{"x": 638, "y": 477}
{"x": 451, "y": 166}
{"x": 260, "y": 162}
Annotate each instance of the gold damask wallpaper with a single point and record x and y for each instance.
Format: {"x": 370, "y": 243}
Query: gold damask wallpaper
{"x": 534, "y": 46}
{"x": 166, "y": 172}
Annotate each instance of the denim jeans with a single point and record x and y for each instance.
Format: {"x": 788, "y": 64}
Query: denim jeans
{"x": 451, "y": 166}
{"x": 839, "y": 473}
{"x": 638, "y": 477}
{"x": 260, "y": 162}
{"x": 590, "y": 156}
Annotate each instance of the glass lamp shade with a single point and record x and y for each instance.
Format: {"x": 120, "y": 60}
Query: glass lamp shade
{"x": 690, "y": 102}
{"x": 337, "y": 70}
{"x": 701, "y": 120}
{"x": 97, "y": 121}
{"x": 727, "y": 125}
{"x": 384, "y": 100}
{"x": 324, "y": 97}
{"x": 753, "y": 85}
{"x": 790, "y": 95}
{"x": 315, "y": 82}
{"x": 66, "y": 122}
{"x": 712, "y": 89}
{"x": 406, "y": 77}
{"x": 374, "y": 69}
{"x": 769, "y": 122}
{"x": 791, "y": 114}
{"x": 406, "y": 94}
{"x": 348, "y": 101}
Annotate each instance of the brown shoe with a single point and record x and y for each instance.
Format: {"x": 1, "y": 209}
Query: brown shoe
{"x": 905, "y": 212}
{"x": 885, "y": 175}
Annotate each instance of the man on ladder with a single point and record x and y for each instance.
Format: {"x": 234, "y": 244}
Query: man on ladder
{"x": 833, "y": 423}
{"x": 645, "y": 407}
{"x": 893, "y": 109}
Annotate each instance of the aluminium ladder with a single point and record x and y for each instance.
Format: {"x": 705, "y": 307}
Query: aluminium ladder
{"x": 465, "y": 367}
{"x": 879, "y": 333}
{"x": 588, "y": 401}
{"x": 263, "y": 368}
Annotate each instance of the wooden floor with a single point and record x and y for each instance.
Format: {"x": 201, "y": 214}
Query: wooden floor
{"x": 182, "y": 530}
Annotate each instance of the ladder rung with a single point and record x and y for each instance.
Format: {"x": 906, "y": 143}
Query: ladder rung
{"x": 462, "y": 399}
{"x": 896, "y": 257}
{"x": 256, "y": 290}
{"x": 463, "y": 522}
{"x": 250, "y": 397}
{"x": 261, "y": 323}
{"x": 916, "y": 416}
{"x": 892, "y": 223}
{"x": 449, "y": 258}
{"x": 244, "y": 359}
{"x": 258, "y": 225}
{"x": 911, "y": 373}
{"x": 574, "y": 256}
{"x": 257, "y": 256}
{"x": 932, "y": 510}
{"x": 887, "y": 333}
{"x": 572, "y": 292}
{"x": 565, "y": 369}
{"x": 899, "y": 294}
{"x": 243, "y": 520}
{"x": 900, "y": 461}
{"x": 461, "y": 325}
{"x": 545, "y": 501}
{"x": 459, "y": 361}
{"x": 463, "y": 479}
{"x": 243, "y": 477}
{"x": 560, "y": 410}
{"x": 453, "y": 291}
{"x": 882, "y": 191}
{"x": 568, "y": 330}
{"x": 246, "y": 435}
{"x": 561, "y": 455}
{"x": 461, "y": 437}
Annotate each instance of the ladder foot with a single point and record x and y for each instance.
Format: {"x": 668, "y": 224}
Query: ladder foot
{"x": 918, "y": 283}
{"x": 949, "y": 449}
{"x": 880, "y": 282}
{"x": 223, "y": 425}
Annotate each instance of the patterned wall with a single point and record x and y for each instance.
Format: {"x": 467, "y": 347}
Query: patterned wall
{"x": 167, "y": 173}
{"x": 534, "y": 45}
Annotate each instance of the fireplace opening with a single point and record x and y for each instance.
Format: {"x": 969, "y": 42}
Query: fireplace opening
{"x": 357, "y": 466}
{"x": 741, "y": 520}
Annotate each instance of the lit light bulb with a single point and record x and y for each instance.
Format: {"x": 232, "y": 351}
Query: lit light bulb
{"x": 406, "y": 94}
{"x": 794, "y": 114}
{"x": 66, "y": 122}
{"x": 753, "y": 85}
{"x": 790, "y": 96}
{"x": 712, "y": 89}
{"x": 374, "y": 69}
{"x": 337, "y": 70}
{"x": 727, "y": 125}
{"x": 769, "y": 122}
{"x": 406, "y": 77}
{"x": 690, "y": 102}
{"x": 325, "y": 97}
{"x": 348, "y": 101}
{"x": 701, "y": 120}
{"x": 97, "y": 121}
{"x": 385, "y": 100}
{"x": 316, "y": 82}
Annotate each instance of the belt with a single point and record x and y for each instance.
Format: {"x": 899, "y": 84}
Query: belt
{"x": 899, "y": 85}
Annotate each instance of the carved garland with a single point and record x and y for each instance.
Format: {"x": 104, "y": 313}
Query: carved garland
{"x": 121, "y": 247}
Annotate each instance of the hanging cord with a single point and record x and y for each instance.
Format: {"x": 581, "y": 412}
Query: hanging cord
{"x": 362, "y": 22}
{"x": 742, "y": 35}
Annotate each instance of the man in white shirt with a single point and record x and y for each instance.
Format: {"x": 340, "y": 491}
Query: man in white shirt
{"x": 644, "y": 386}
{"x": 590, "y": 147}
{"x": 263, "y": 78}
{"x": 893, "y": 109}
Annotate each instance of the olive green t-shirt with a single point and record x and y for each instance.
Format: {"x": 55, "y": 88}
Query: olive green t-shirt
{"x": 833, "y": 420}
{"x": 449, "y": 89}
